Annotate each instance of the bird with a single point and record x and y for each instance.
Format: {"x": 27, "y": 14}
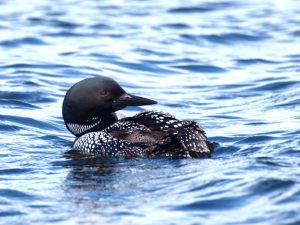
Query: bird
{"x": 89, "y": 112}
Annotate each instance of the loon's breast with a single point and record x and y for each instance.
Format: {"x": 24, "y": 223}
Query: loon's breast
{"x": 149, "y": 133}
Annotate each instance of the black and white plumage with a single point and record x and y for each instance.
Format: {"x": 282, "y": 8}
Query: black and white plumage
{"x": 88, "y": 111}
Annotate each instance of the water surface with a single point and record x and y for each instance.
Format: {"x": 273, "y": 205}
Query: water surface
{"x": 232, "y": 66}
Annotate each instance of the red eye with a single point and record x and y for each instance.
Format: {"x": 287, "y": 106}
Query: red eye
{"x": 103, "y": 93}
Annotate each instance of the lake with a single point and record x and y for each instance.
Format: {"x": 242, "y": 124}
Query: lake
{"x": 233, "y": 66}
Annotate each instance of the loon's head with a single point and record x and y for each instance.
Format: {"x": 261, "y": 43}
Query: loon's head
{"x": 88, "y": 105}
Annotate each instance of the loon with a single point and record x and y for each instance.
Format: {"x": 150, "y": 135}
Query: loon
{"x": 89, "y": 110}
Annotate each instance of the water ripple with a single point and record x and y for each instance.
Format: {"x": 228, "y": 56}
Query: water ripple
{"x": 227, "y": 38}
{"x": 206, "y": 7}
{"x": 9, "y": 193}
{"x": 202, "y": 68}
{"x": 28, "y": 122}
{"x": 22, "y": 41}
{"x": 245, "y": 62}
{"x": 267, "y": 185}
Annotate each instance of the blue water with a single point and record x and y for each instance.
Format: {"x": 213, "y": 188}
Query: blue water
{"x": 232, "y": 66}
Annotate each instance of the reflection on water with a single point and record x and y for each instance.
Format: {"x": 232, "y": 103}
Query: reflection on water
{"x": 231, "y": 65}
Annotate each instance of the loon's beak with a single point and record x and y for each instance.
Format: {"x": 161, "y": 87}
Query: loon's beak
{"x": 131, "y": 100}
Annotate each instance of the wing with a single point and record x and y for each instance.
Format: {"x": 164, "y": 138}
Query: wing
{"x": 153, "y": 142}
{"x": 188, "y": 134}
{"x": 194, "y": 140}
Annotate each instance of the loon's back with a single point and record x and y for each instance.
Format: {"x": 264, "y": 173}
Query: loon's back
{"x": 150, "y": 133}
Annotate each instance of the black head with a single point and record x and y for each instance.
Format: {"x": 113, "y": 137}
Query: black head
{"x": 97, "y": 97}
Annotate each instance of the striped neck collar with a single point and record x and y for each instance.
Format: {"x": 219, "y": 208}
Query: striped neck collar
{"x": 91, "y": 125}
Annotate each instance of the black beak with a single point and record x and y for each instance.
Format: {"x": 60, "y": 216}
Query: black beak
{"x": 131, "y": 100}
